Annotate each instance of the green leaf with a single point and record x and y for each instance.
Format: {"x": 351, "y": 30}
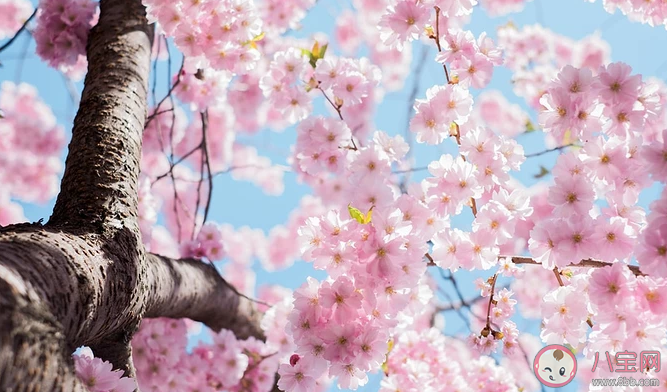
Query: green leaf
{"x": 316, "y": 53}
{"x": 357, "y": 215}
{"x": 530, "y": 127}
{"x": 385, "y": 368}
{"x": 323, "y": 51}
{"x": 385, "y": 365}
{"x": 253, "y": 42}
{"x": 316, "y": 49}
{"x": 543, "y": 172}
{"x": 567, "y": 137}
{"x": 259, "y": 37}
{"x": 368, "y": 216}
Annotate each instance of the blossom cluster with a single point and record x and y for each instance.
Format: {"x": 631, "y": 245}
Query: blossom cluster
{"x": 500, "y": 330}
{"x": 208, "y": 244}
{"x": 279, "y": 16}
{"x": 427, "y": 360}
{"x": 653, "y": 13}
{"x": 376, "y": 284}
{"x": 13, "y": 13}
{"x": 470, "y": 60}
{"x": 652, "y": 247}
{"x": 62, "y": 33}
{"x": 98, "y": 375}
{"x": 493, "y": 111}
{"x": 218, "y": 34}
{"x": 201, "y": 88}
{"x": 159, "y": 353}
{"x": 406, "y": 20}
{"x": 355, "y": 30}
{"x": 30, "y": 144}
{"x": 443, "y": 106}
{"x": 502, "y": 7}
{"x": 456, "y": 181}
{"x": 535, "y": 55}
{"x": 627, "y": 312}
{"x": 373, "y": 310}
{"x": 348, "y": 84}
{"x": 283, "y": 84}
{"x": 171, "y": 137}
{"x": 611, "y": 114}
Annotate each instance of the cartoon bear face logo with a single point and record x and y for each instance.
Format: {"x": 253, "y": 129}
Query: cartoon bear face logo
{"x": 555, "y": 366}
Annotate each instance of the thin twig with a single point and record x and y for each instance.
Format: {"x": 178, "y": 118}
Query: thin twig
{"x": 24, "y": 54}
{"x": 174, "y": 164}
{"x": 468, "y": 304}
{"x": 333, "y": 105}
{"x": 201, "y": 177}
{"x": 204, "y": 120}
{"x": 488, "y": 308}
{"x": 178, "y": 217}
{"x": 171, "y": 90}
{"x": 455, "y": 285}
{"x": 414, "y": 169}
{"x": 457, "y": 309}
{"x": 536, "y": 154}
{"x": 18, "y": 32}
{"x": 340, "y": 115}
{"x": 437, "y": 39}
{"x": 528, "y": 361}
{"x": 171, "y": 99}
{"x": 558, "y": 278}
{"x": 413, "y": 95}
{"x": 587, "y": 263}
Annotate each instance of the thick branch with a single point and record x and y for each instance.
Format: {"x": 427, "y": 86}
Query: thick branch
{"x": 99, "y": 187}
{"x": 80, "y": 279}
{"x": 193, "y": 289}
{"x": 59, "y": 291}
{"x": 588, "y": 263}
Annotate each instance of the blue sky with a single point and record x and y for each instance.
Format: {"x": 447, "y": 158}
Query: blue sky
{"x": 241, "y": 203}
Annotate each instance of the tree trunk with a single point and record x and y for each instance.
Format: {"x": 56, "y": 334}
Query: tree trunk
{"x": 84, "y": 278}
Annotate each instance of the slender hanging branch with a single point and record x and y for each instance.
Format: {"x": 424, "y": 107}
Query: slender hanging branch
{"x": 537, "y": 154}
{"x": 587, "y": 263}
{"x": 19, "y": 31}
{"x": 487, "y": 327}
{"x": 437, "y": 38}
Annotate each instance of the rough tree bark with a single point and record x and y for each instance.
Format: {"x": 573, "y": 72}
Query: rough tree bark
{"x": 84, "y": 278}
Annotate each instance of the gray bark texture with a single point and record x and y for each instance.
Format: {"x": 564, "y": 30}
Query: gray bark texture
{"x": 84, "y": 278}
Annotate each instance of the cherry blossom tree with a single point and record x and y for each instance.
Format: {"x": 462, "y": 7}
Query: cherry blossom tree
{"x": 105, "y": 294}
